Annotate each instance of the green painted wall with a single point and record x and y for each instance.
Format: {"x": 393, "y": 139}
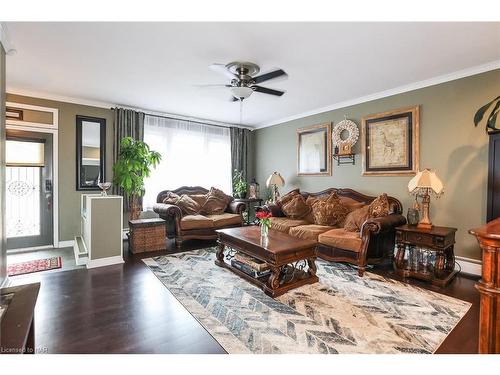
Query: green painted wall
{"x": 69, "y": 197}
{"x": 449, "y": 143}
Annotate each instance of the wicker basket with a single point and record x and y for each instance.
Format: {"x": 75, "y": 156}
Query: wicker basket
{"x": 146, "y": 235}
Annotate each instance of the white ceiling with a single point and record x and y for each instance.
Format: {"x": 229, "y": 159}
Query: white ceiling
{"x": 156, "y": 66}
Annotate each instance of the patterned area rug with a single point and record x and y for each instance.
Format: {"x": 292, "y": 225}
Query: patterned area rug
{"x": 34, "y": 266}
{"x": 343, "y": 313}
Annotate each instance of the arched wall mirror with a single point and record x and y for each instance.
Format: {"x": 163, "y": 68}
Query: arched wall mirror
{"x": 90, "y": 152}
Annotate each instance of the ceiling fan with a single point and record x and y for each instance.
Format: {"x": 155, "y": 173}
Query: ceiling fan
{"x": 244, "y": 79}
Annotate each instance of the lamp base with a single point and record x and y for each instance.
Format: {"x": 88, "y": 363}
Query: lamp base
{"x": 427, "y": 226}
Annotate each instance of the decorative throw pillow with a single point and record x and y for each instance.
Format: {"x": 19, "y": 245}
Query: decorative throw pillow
{"x": 171, "y": 198}
{"x": 296, "y": 207}
{"x": 187, "y": 205}
{"x": 351, "y": 204}
{"x": 215, "y": 203}
{"x": 324, "y": 198}
{"x": 285, "y": 198}
{"x": 329, "y": 213}
{"x": 356, "y": 218}
{"x": 199, "y": 198}
{"x": 379, "y": 207}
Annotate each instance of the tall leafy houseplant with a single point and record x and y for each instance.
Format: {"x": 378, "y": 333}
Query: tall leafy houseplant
{"x": 492, "y": 118}
{"x": 239, "y": 184}
{"x": 135, "y": 162}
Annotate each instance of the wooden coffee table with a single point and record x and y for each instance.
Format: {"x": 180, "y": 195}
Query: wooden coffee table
{"x": 291, "y": 259}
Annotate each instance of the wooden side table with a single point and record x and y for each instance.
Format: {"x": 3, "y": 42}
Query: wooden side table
{"x": 488, "y": 237}
{"x": 437, "y": 240}
{"x": 249, "y": 202}
{"x": 147, "y": 235}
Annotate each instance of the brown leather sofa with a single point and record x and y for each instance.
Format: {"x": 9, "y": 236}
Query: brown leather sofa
{"x": 186, "y": 227}
{"x": 372, "y": 245}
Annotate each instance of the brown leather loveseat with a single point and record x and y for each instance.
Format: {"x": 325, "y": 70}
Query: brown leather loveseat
{"x": 373, "y": 243}
{"x": 183, "y": 226}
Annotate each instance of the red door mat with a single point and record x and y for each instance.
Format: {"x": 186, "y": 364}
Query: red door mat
{"x": 34, "y": 266}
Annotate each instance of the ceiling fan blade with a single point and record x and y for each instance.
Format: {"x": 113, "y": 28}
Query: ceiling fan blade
{"x": 234, "y": 99}
{"x": 221, "y": 68}
{"x": 265, "y": 90}
{"x": 270, "y": 75}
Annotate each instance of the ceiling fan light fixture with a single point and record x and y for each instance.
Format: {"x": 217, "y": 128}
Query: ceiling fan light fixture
{"x": 241, "y": 92}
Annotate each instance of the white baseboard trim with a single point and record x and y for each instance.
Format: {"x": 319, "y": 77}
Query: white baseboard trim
{"x": 468, "y": 265}
{"x": 5, "y": 283}
{"x": 69, "y": 243}
{"x": 93, "y": 263}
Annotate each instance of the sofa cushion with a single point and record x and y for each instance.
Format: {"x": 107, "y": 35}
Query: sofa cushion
{"x": 309, "y": 231}
{"x": 225, "y": 219}
{"x": 330, "y": 213}
{"x": 171, "y": 198}
{"x": 199, "y": 198}
{"x": 342, "y": 239}
{"x": 283, "y": 224}
{"x": 187, "y": 205}
{"x": 296, "y": 207}
{"x": 379, "y": 207}
{"x": 356, "y": 218}
{"x": 196, "y": 222}
{"x": 351, "y": 204}
{"x": 285, "y": 198}
{"x": 216, "y": 202}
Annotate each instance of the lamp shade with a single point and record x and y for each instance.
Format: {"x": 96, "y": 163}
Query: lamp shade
{"x": 428, "y": 180}
{"x": 275, "y": 179}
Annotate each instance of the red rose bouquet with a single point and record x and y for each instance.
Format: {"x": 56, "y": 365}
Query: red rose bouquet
{"x": 264, "y": 221}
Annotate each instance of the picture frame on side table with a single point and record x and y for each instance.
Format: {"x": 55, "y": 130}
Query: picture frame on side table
{"x": 390, "y": 143}
{"x": 314, "y": 150}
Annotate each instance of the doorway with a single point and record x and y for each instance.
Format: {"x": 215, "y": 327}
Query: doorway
{"x": 29, "y": 189}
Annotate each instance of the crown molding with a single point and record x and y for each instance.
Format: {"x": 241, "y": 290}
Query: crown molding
{"x": 386, "y": 93}
{"x": 5, "y": 40}
{"x": 100, "y": 104}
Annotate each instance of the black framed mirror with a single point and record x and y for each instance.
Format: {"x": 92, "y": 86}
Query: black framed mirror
{"x": 90, "y": 152}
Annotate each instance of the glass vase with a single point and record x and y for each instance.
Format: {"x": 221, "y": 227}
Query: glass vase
{"x": 264, "y": 230}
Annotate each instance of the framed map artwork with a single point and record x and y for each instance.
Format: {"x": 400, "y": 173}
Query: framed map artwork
{"x": 390, "y": 143}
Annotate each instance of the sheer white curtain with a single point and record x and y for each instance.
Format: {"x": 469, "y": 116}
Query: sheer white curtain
{"x": 192, "y": 154}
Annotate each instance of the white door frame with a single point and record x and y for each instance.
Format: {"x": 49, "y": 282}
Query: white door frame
{"x": 43, "y": 128}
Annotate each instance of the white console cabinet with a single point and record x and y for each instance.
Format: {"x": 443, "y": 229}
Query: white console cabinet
{"x": 100, "y": 243}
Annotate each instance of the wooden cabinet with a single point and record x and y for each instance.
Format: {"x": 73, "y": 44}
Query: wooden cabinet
{"x": 488, "y": 237}
{"x": 493, "y": 202}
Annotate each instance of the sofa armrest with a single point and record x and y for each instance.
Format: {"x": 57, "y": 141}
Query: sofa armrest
{"x": 167, "y": 210}
{"x": 236, "y": 207}
{"x": 274, "y": 210}
{"x": 383, "y": 224}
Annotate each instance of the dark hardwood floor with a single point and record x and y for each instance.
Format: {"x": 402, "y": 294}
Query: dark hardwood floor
{"x": 125, "y": 309}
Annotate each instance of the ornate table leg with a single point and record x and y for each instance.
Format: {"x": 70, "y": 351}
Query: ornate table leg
{"x": 220, "y": 254}
{"x": 311, "y": 267}
{"x": 399, "y": 261}
{"x": 440, "y": 261}
{"x": 274, "y": 281}
{"x": 450, "y": 259}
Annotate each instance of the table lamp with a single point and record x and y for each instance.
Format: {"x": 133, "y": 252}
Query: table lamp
{"x": 423, "y": 185}
{"x": 274, "y": 182}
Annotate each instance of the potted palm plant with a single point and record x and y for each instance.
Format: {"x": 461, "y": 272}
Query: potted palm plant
{"x": 135, "y": 162}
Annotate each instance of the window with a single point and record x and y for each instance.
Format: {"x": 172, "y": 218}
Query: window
{"x": 193, "y": 154}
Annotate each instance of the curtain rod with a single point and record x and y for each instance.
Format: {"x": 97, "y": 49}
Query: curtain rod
{"x": 190, "y": 119}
